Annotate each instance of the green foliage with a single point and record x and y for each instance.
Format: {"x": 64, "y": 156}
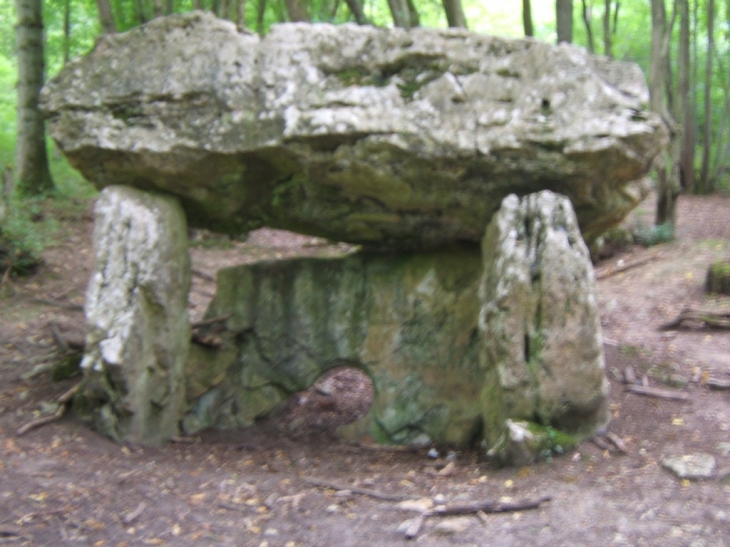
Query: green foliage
{"x": 8, "y": 75}
{"x": 654, "y": 235}
{"x": 23, "y": 234}
{"x": 550, "y": 441}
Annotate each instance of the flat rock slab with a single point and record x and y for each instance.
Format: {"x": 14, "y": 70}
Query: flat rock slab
{"x": 691, "y": 466}
{"x": 389, "y": 138}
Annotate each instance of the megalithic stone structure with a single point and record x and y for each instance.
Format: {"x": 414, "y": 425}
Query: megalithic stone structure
{"x": 404, "y": 142}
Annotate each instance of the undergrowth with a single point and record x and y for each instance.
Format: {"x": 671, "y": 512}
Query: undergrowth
{"x": 31, "y": 223}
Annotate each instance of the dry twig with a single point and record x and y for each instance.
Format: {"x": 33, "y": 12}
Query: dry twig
{"x": 357, "y": 490}
{"x": 133, "y": 515}
{"x": 64, "y": 401}
{"x": 612, "y": 270}
{"x": 716, "y": 383}
{"x": 202, "y": 275}
{"x": 472, "y": 508}
{"x": 659, "y": 393}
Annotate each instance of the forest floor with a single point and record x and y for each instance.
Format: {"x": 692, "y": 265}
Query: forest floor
{"x": 63, "y": 484}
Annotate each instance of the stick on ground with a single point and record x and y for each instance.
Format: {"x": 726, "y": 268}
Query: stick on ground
{"x": 357, "y": 490}
{"x": 472, "y": 508}
{"x": 659, "y": 393}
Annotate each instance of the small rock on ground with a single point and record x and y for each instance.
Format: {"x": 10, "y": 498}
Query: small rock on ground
{"x": 691, "y": 466}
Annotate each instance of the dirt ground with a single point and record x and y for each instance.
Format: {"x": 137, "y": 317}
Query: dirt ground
{"x": 63, "y": 484}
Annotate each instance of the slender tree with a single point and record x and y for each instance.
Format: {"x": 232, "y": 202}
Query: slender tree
{"x": 587, "y": 16}
{"x": 400, "y": 13}
{"x": 705, "y": 179}
{"x": 357, "y": 11}
{"x": 260, "y": 13}
{"x": 666, "y": 163}
{"x": 106, "y": 19}
{"x": 607, "y": 29}
{"x": 564, "y": 20}
{"x": 34, "y": 176}
{"x": 454, "y": 13}
{"x": 297, "y": 11}
{"x": 240, "y": 13}
{"x": 527, "y": 18}
{"x": 413, "y": 15}
{"x": 66, "y": 31}
{"x": 685, "y": 105}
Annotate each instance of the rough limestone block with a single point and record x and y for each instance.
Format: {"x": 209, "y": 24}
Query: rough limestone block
{"x": 408, "y": 320}
{"x": 539, "y": 325}
{"x": 136, "y": 312}
{"x": 390, "y": 138}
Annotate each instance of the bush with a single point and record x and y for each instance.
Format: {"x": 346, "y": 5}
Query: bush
{"x": 22, "y": 237}
{"x": 654, "y": 235}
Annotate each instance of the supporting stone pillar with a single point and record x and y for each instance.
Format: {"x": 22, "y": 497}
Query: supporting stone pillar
{"x": 542, "y": 350}
{"x": 136, "y": 311}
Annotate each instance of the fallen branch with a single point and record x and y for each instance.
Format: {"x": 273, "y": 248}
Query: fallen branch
{"x": 716, "y": 383}
{"x": 707, "y": 319}
{"x": 47, "y": 302}
{"x": 659, "y": 393}
{"x": 41, "y": 421}
{"x": 133, "y": 515}
{"x": 66, "y": 397}
{"x": 472, "y": 508}
{"x": 617, "y": 442}
{"x": 357, "y": 490}
{"x": 613, "y": 270}
{"x": 203, "y": 275}
{"x": 64, "y": 401}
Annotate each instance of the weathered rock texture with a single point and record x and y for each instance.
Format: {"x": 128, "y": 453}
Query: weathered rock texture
{"x": 456, "y": 342}
{"x": 408, "y": 320}
{"x": 540, "y": 330}
{"x": 385, "y": 137}
{"x": 136, "y": 309}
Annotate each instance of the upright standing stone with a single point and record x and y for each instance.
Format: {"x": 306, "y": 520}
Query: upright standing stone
{"x": 136, "y": 308}
{"x": 542, "y": 350}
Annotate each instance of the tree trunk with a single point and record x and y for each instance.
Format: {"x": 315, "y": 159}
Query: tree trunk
{"x": 106, "y": 19}
{"x": 589, "y": 29}
{"x": 66, "y": 31}
{"x": 31, "y": 157}
{"x": 169, "y": 6}
{"x": 665, "y": 164}
{"x": 454, "y": 13}
{"x": 705, "y": 180}
{"x": 527, "y": 18}
{"x": 607, "y": 29}
{"x": 296, "y": 11}
{"x": 157, "y": 10}
{"x": 564, "y": 20}
{"x": 685, "y": 107}
{"x": 413, "y": 14}
{"x": 138, "y": 10}
{"x": 240, "y": 13}
{"x": 260, "y": 12}
{"x": 357, "y": 11}
{"x": 400, "y": 13}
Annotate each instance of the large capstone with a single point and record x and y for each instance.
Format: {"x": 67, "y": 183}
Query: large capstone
{"x": 539, "y": 325}
{"x": 391, "y": 138}
{"x": 136, "y": 312}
